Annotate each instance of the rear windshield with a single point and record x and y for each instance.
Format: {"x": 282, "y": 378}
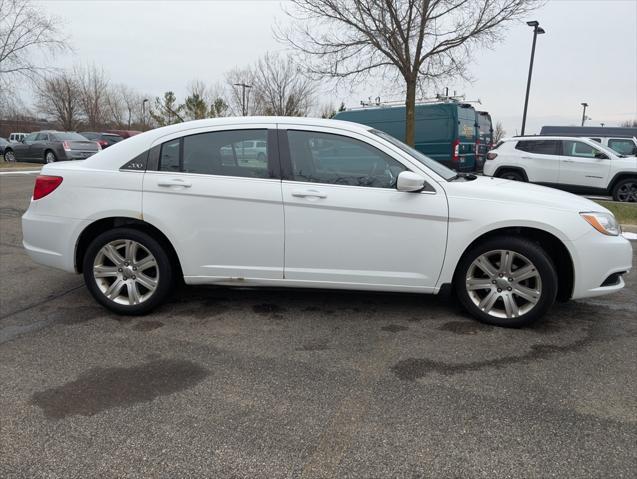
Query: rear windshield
{"x": 439, "y": 168}
{"x": 113, "y": 138}
{"x": 68, "y": 136}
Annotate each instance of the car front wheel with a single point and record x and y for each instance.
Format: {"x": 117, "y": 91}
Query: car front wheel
{"x": 506, "y": 281}
{"x": 127, "y": 271}
{"x": 9, "y": 156}
{"x": 626, "y": 190}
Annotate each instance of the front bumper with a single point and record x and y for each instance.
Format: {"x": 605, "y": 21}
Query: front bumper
{"x": 595, "y": 258}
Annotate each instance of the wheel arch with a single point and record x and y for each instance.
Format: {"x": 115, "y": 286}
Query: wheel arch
{"x": 517, "y": 169}
{"x": 554, "y": 247}
{"x": 96, "y": 228}
{"x": 619, "y": 177}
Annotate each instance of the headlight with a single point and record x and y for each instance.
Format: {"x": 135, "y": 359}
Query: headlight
{"x": 605, "y": 223}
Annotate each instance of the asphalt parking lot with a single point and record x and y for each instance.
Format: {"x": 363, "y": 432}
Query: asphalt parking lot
{"x": 275, "y": 383}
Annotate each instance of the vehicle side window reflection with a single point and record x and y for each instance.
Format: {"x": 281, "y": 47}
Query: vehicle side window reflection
{"x": 169, "y": 157}
{"x": 242, "y": 153}
{"x": 579, "y": 149}
{"x": 334, "y": 159}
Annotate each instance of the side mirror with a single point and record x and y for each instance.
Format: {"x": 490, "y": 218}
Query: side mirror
{"x": 601, "y": 156}
{"x": 410, "y": 181}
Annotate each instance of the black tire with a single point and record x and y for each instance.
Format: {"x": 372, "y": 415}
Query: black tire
{"x": 164, "y": 271}
{"x": 511, "y": 175}
{"x": 528, "y": 250}
{"x": 53, "y": 158}
{"x": 626, "y": 190}
{"x": 9, "y": 156}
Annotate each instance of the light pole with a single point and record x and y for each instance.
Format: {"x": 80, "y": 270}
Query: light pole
{"x": 144, "y": 112}
{"x": 584, "y": 112}
{"x": 537, "y": 30}
{"x": 243, "y": 86}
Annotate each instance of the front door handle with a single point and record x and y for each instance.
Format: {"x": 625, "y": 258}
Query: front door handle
{"x": 174, "y": 182}
{"x": 309, "y": 193}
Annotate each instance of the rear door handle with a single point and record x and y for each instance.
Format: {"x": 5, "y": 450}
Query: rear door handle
{"x": 174, "y": 182}
{"x": 309, "y": 193}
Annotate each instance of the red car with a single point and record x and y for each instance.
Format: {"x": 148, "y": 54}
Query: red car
{"x": 124, "y": 133}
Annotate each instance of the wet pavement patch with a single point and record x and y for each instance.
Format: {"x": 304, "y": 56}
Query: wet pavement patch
{"x": 147, "y": 325}
{"x": 465, "y": 327}
{"x": 100, "y": 389}
{"x": 394, "y": 328}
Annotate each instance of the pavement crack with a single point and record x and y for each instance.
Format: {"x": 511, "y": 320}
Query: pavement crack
{"x": 41, "y": 302}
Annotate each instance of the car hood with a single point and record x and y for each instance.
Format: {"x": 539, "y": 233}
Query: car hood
{"x": 516, "y": 192}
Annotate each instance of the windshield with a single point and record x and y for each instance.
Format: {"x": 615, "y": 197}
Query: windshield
{"x": 68, "y": 136}
{"x": 439, "y": 168}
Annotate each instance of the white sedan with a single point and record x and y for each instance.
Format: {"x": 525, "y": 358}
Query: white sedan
{"x": 329, "y": 205}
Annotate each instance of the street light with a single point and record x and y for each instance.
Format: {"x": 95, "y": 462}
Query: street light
{"x": 537, "y": 30}
{"x": 144, "y": 111}
{"x": 584, "y": 112}
{"x": 243, "y": 86}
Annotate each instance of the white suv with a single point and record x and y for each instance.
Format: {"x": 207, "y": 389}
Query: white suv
{"x": 579, "y": 165}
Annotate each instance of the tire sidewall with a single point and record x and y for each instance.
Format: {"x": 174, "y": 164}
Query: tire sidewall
{"x": 166, "y": 277}
{"x": 530, "y": 250}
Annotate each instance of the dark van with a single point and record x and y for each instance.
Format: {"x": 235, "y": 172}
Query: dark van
{"x": 485, "y": 137}
{"x": 446, "y": 132}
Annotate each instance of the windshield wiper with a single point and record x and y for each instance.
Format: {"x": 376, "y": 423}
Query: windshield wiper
{"x": 464, "y": 176}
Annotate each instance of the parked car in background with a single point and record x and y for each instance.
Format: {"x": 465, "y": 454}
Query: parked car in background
{"x": 124, "y": 133}
{"x": 3, "y": 144}
{"x": 379, "y": 216}
{"x": 104, "y": 139}
{"x": 485, "y": 137}
{"x": 16, "y": 137}
{"x": 445, "y": 131}
{"x": 51, "y": 146}
{"x": 580, "y": 165}
{"x": 620, "y": 139}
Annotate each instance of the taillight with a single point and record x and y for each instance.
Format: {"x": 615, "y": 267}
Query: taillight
{"x": 66, "y": 145}
{"x": 45, "y": 185}
{"x": 492, "y": 156}
{"x": 455, "y": 150}
{"x": 102, "y": 144}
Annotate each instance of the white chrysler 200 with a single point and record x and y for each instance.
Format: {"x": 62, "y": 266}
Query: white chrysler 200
{"x": 329, "y": 204}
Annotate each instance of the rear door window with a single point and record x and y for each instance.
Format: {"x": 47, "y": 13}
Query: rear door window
{"x": 539, "y": 147}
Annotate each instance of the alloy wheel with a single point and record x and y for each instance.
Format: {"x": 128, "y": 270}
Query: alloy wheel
{"x": 9, "y": 156}
{"x": 126, "y": 272}
{"x": 50, "y": 157}
{"x": 503, "y": 284}
{"x": 627, "y": 192}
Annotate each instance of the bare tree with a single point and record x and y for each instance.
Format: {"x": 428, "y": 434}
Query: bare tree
{"x": 499, "y": 132}
{"x": 25, "y": 29}
{"x": 94, "y": 89}
{"x": 280, "y": 88}
{"x": 59, "y": 97}
{"x": 629, "y": 124}
{"x": 327, "y": 110}
{"x": 415, "y": 41}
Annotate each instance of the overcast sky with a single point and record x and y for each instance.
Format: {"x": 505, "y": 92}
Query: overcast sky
{"x": 588, "y": 54}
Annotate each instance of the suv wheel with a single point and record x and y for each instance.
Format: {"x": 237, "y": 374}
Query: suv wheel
{"x": 50, "y": 157}
{"x": 511, "y": 175}
{"x": 626, "y": 190}
{"x": 506, "y": 281}
{"x": 127, "y": 271}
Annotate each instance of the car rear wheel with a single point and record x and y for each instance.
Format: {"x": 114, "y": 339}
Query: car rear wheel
{"x": 9, "y": 156}
{"x": 506, "y": 281}
{"x": 127, "y": 271}
{"x": 512, "y": 175}
{"x": 50, "y": 157}
{"x": 626, "y": 190}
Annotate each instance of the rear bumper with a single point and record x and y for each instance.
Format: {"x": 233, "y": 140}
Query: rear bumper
{"x": 51, "y": 240}
{"x": 596, "y": 257}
